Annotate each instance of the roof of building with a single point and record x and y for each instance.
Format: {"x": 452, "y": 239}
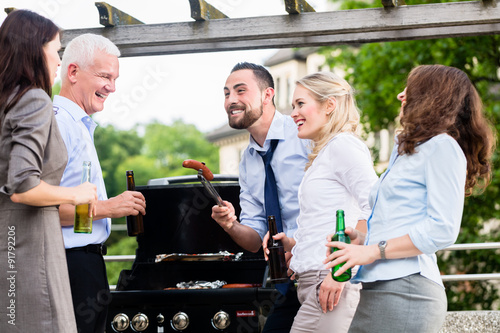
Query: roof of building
{"x": 290, "y": 54}
{"x": 225, "y": 131}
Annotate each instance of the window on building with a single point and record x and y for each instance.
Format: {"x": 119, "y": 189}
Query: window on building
{"x": 277, "y": 95}
{"x": 289, "y": 91}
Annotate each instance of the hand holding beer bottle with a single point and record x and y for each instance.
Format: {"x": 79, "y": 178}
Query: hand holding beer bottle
{"x": 340, "y": 236}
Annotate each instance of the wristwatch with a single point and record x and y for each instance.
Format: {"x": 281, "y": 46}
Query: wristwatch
{"x": 381, "y": 246}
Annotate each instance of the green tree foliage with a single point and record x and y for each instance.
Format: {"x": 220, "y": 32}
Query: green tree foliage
{"x": 144, "y": 167}
{"x": 126, "y": 245}
{"x": 159, "y": 153}
{"x": 113, "y": 147}
{"x": 56, "y": 88}
{"x": 378, "y": 73}
{"x": 169, "y": 146}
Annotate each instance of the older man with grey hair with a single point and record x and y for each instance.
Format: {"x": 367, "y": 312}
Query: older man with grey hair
{"x": 89, "y": 71}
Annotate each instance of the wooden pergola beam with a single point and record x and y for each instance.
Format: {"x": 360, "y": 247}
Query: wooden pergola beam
{"x": 345, "y": 39}
{"x": 110, "y": 16}
{"x": 454, "y": 19}
{"x": 203, "y": 11}
{"x": 298, "y": 6}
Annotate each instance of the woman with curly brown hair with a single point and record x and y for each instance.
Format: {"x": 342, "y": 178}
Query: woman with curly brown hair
{"x": 441, "y": 154}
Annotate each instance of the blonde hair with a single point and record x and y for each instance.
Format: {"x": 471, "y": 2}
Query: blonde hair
{"x": 344, "y": 118}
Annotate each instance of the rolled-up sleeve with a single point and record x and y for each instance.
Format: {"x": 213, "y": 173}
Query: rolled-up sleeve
{"x": 252, "y": 213}
{"x": 29, "y": 124}
{"x": 445, "y": 174}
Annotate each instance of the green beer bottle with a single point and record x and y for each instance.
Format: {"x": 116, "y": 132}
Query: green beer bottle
{"x": 83, "y": 222}
{"x": 340, "y": 236}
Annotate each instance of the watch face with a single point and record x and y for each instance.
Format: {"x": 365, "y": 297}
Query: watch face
{"x": 382, "y": 243}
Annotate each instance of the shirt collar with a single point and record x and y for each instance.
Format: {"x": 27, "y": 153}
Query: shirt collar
{"x": 75, "y": 111}
{"x": 276, "y": 131}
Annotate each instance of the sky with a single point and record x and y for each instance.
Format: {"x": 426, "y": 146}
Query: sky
{"x": 170, "y": 87}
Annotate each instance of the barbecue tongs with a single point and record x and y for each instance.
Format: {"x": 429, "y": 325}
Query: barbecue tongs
{"x": 204, "y": 175}
{"x": 210, "y": 189}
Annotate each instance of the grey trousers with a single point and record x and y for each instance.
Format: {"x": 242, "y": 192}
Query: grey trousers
{"x": 310, "y": 317}
{"x": 413, "y": 304}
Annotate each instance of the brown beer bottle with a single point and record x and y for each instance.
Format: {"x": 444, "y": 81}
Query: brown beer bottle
{"x": 340, "y": 236}
{"x": 277, "y": 262}
{"x": 83, "y": 222}
{"x": 135, "y": 225}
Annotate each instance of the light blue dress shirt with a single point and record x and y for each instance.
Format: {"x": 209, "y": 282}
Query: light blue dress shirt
{"x": 288, "y": 165}
{"x": 421, "y": 195}
{"x": 77, "y": 131}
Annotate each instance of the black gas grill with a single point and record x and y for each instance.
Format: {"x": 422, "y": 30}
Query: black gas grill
{"x": 178, "y": 229}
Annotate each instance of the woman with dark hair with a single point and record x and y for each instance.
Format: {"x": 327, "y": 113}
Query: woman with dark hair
{"x": 441, "y": 154}
{"x": 34, "y": 281}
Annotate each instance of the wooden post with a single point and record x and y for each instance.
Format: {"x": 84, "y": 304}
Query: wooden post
{"x": 203, "y": 11}
{"x": 110, "y": 16}
{"x": 298, "y": 6}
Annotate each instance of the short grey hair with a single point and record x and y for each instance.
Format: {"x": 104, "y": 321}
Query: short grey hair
{"x": 82, "y": 49}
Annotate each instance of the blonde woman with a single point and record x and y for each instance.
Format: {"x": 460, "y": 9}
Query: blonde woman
{"x": 339, "y": 175}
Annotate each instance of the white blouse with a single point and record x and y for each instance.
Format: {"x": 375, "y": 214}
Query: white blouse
{"x": 340, "y": 177}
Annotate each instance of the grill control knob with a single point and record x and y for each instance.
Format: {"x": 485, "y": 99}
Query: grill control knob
{"x": 160, "y": 319}
{"x": 140, "y": 322}
{"x": 120, "y": 322}
{"x": 221, "y": 320}
{"x": 180, "y": 321}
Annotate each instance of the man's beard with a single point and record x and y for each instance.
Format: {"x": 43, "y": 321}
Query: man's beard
{"x": 249, "y": 118}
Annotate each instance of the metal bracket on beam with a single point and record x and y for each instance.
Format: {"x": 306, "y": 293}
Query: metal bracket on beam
{"x": 298, "y": 6}
{"x": 110, "y": 16}
{"x": 8, "y": 10}
{"x": 203, "y": 11}
{"x": 490, "y": 3}
{"x": 393, "y": 3}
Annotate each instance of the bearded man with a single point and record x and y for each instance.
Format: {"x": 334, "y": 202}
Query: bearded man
{"x": 249, "y": 103}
